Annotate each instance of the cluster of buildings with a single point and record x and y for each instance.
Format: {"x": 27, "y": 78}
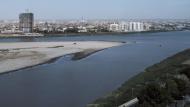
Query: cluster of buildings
{"x": 129, "y": 27}
{"x": 26, "y": 25}
{"x": 92, "y": 26}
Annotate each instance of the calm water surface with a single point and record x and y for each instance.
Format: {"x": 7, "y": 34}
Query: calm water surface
{"x": 67, "y": 83}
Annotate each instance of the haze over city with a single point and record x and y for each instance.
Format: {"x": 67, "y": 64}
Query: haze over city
{"x": 97, "y": 9}
{"x": 94, "y": 53}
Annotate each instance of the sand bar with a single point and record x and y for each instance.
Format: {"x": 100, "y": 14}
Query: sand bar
{"x": 18, "y": 55}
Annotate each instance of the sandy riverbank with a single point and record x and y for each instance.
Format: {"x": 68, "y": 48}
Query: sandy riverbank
{"x": 20, "y": 55}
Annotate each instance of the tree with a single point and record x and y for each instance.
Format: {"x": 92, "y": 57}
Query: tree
{"x": 186, "y": 72}
{"x": 154, "y": 95}
{"x": 172, "y": 88}
{"x": 182, "y": 86}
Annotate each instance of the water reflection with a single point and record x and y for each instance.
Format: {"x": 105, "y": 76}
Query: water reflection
{"x": 27, "y": 39}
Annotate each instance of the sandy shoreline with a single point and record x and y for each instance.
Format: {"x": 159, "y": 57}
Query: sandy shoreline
{"x": 18, "y": 55}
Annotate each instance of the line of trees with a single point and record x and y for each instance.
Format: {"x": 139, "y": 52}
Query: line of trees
{"x": 163, "y": 93}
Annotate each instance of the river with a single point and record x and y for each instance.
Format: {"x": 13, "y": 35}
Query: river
{"x": 67, "y": 83}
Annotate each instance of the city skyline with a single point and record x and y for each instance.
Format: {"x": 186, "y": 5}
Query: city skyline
{"x": 91, "y": 9}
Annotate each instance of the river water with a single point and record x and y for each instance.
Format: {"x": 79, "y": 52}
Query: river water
{"x": 67, "y": 83}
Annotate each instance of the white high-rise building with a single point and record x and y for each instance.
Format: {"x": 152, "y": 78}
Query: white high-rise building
{"x": 124, "y": 27}
{"x": 136, "y": 26}
{"x": 129, "y": 27}
{"x": 114, "y": 27}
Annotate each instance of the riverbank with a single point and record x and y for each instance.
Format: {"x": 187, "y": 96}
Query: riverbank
{"x": 173, "y": 69}
{"x": 82, "y": 34}
{"x": 104, "y": 33}
{"x": 14, "y": 56}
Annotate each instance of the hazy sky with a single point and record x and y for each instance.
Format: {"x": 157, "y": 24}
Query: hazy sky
{"x": 97, "y": 9}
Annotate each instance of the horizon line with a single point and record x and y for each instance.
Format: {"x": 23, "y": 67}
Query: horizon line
{"x": 106, "y": 19}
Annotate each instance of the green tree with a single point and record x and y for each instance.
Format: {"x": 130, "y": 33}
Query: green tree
{"x": 186, "y": 72}
{"x": 172, "y": 88}
{"x": 182, "y": 87}
{"x": 154, "y": 95}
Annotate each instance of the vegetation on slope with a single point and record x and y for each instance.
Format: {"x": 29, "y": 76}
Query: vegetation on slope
{"x": 158, "y": 85}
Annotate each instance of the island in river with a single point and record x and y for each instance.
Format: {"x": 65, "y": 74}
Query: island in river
{"x": 14, "y": 56}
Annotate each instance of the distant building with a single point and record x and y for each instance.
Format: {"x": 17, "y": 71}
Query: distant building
{"x": 136, "y": 26}
{"x": 114, "y": 27}
{"x": 129, "y": 27}
{"x": 124, "y": 27}
{"x": 26, "y": 21}
{"x": 82, "y": 29}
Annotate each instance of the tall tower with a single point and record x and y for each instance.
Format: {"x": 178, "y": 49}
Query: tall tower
{"x": 26, "y": 21}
